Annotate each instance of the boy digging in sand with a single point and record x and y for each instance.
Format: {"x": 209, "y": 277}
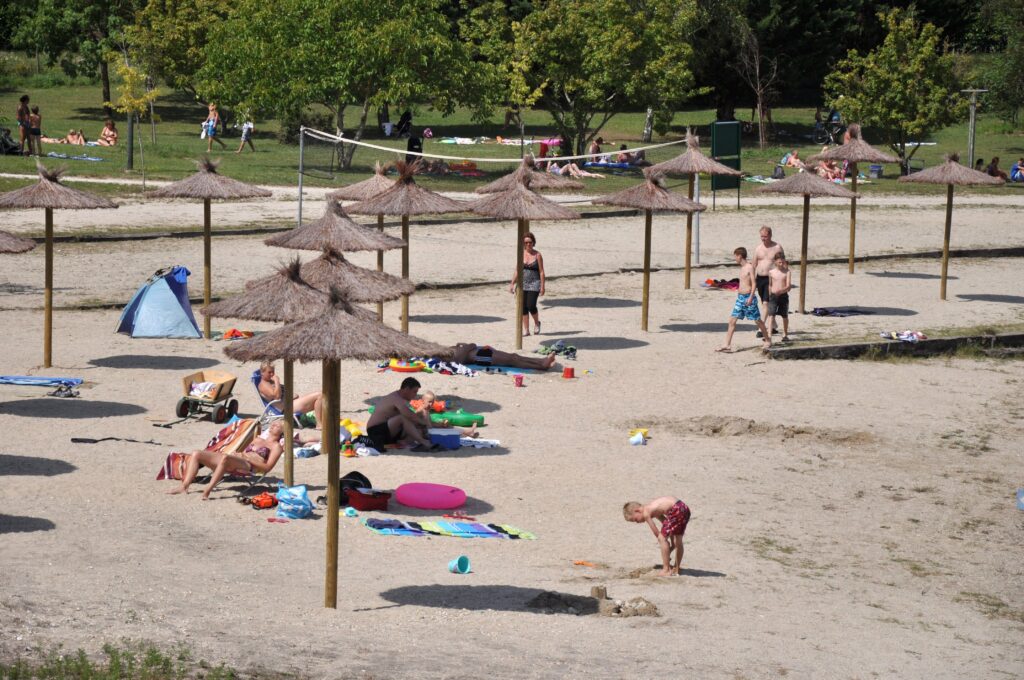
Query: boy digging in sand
{"x": 674, "y": 516}
{"x": 745, "y": 306}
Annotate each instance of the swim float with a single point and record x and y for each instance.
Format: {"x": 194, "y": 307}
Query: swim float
{"x": 406, "y": 366}
{"x": 430, "y": 496}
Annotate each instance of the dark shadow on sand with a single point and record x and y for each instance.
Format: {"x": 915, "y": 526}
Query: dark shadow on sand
{"x": 468, "y": 405}
{"x": 68, "y": 408}
{"x": 13, "y": 524}
{"x": 473, "y": 507}
{"x": 30, "y": 466}
{"x": 600, "y": 343}
{"x": 699, "y": 573}
{"x": 710, "y": 327}
{"x": 907, "y": 275}
{"x": 474, "y": 598}
{"x": 464, "y": 452}
{"x": 589, "y": 303}
{"x": 990, "y": 297}
{"x": 879, "y": 311}
{"x": 455, "y": 318}
{"x": 158, "y": 363}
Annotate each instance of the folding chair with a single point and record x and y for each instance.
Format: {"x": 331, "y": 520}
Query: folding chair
{"x": 271, "y": 407}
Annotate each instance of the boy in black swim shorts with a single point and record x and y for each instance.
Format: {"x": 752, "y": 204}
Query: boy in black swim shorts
{"x": 781, "y": 282}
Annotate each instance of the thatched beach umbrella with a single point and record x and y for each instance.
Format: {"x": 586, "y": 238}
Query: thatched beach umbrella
{"x": 49, "y": 194}
{"x": 335, "y": 231}
{"x": 806, "y": 184}
{"x": 406, "y": 198}
{"x": 12, "y": 245}
{"x": 650, "y": 196}
{"x": 950, "y": 173}
{"x": 356, "y": 284}
{"x": 854, "y": 151}
{"x": 690, "y": 163}
{"x": 539, "y": 180}
{"x": 523, "y": 205}
{"x": 333, "y": 334}
{"x": 208, "y": 185}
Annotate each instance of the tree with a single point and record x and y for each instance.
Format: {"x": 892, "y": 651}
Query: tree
{"x": 284, "y": 56}
{"x": 78, "y": 34}
{"x": 906, "y": 87}
{"x": 1001, "y": 22}
{"x": 760, "y": 73}
{"x": 135, "y": 98}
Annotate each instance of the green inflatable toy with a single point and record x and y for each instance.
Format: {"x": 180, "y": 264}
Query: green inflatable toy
{"x": 460, "y": 418}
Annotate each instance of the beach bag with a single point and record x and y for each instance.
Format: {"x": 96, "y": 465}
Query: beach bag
{"x": 202, "y": 134}
{"x": 779, "y": 172}
{"x": 293, "y": 502}
{"x": 353, "y": 480}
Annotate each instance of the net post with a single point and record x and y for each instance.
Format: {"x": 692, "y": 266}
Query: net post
{"x": 302, "y": 169}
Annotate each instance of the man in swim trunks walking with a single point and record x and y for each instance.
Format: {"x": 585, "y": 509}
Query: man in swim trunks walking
{"x": 764, "y": 257}
{"x": 393, "y": 419}
{"x": 745, "y": 306}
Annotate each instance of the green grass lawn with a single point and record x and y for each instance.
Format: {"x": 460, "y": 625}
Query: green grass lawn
{"x": 178, "y": 144}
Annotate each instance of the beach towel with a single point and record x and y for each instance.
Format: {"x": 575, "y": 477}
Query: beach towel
{"x": 840, "y": 312}
{"x": 174, "y": 466}
{"x": 475, "y": 443}
{"x": 394, "y": 527}
{"x": 721, "y": 284}
{"x": 39, "y": 381}
{"x": 80, "y": 157}
{"x": 504, "y": 370}
{"x": 435, "y": 366}
{"x": 904, "y": 336}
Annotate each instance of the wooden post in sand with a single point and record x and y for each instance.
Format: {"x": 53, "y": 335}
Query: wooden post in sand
{"x": 287, "y": 408}
{"x": 405, "y": 272}
{"x": 803, "y": 251}
{"x": 207, "y": 266}
{"x": 48, "y": 294}
{"x": 380, "y": 266}
{"x": 329, "y": 443}
{"x": 945, "y": 239}
{"x": 689, "y": 237}
{"x": 647, "y": 267}
{"x": 517, "y": 315}
{"x": 853, "y": 214}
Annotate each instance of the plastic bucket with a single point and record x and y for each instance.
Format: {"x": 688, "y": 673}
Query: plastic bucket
{"x": 460, "y": 565}
{"x": 568, "y": 372}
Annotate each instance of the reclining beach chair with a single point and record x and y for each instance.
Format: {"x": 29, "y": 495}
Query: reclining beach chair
{"x": 270, "y": 407}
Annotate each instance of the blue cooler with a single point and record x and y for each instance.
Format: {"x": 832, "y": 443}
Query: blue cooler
{"x": 447, "y": 438}
{"x": 875, "y": 171}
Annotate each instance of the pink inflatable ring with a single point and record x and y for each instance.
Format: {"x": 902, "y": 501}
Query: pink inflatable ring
{"x": 430, "y": 496}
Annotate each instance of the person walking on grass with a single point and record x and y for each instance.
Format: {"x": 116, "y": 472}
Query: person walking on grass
{"x": 35, "y": 131}
{"x": 764, "y": 256}
{"x": 533, "y": 282}
{"x": 745, "y": 306}
{"x": 247, "y": 127}
{"x": 211, "y": 124}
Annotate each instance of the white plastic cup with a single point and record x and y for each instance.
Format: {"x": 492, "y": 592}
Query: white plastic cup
{"x": 638, "y": 439}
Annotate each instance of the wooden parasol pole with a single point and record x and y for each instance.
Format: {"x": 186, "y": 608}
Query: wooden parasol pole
{"x": 647, "y": 269}
{"x": 517, "y": 316}
{"x": 853, "y": 214}
{"x": 803, "y": 252}
{"x": 207, "y": 266}
{"x": 405, "y": 272}
{"x": 945, "y": 239}
{"x": 329, "y": 443}
{"x": 48, "y": 294}
{"x": 287, "y": 408}
{"x": 689, "y": 238}
{"x": 380, "y": 266}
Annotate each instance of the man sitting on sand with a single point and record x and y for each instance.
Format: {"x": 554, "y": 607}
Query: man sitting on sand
{"x": 394, "y": 421}
{"x": 469, "y": 353}
{"x": 745, "y": 306}
{"x": 674, "y": 516}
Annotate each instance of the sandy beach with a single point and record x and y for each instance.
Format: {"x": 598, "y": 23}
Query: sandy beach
{"x": 850, "y": 519}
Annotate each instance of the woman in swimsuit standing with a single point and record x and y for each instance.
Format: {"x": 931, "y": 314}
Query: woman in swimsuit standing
{"x": 260, "y": 456}
{"x": 24, "y": 126}
{"x": 533, "y": 282}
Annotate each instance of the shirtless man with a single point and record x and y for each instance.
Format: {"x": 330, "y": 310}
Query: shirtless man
{"x": 778, "y": 304}
{"x": 745, "y": 306}
{"x": 764, "y": 255}
{"x": 393, "y": 419}
{"x": 469, "y": 353}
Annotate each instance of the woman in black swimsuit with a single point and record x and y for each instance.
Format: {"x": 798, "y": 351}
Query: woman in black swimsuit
{"x": 533, "y": 282}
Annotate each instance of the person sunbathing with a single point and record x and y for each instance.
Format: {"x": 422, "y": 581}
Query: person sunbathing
{"x": 470, "y": 353}
{"x": 260, "y": 456}
{"x": 74, "y": 137}
{"x": 108, "y": 137}
{"x": 792, "y": 160}
{"x": 270, "y": 389}
{"x": 571, "y": 170}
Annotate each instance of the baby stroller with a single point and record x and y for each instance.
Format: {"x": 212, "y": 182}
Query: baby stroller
{"x": 404, "y": 128}
{"x": 8, "y": 147}
{"x": 830, "y": 131}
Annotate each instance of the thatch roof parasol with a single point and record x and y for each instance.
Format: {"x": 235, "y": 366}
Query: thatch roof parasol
{"x": 208, "y": 185}
{"x": 650, "y": 196}
{"x": 360, "y": 191}
{"x": 808, "y": 185}
{"x": 519, "y": 203}
{"x": 9, "y": 243}
{"x": 406, "y": 198}
{"x": 334, "y": 231}
{"x": 854, "y": 151}
{"x": 49, "y": 194}
{"x": 356, "y": 284}
{"x": 539, "y": 180}
{"x": 950, "y": 173}
{"x": 692, "y": 162}
{"x": 282, "y": 297}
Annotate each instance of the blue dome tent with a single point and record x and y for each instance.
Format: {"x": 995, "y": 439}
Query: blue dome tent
{"x": 160, "y": 308}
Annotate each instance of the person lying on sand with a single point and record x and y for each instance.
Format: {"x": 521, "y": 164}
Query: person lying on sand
{"x": 469, "y": 353}
{"x": 270, "y": 389}
{"x": 259, "y": 456}
{"x": 427, "y": 407}
{"x": 674, "y": 516}
{"x": 393, "y": 420}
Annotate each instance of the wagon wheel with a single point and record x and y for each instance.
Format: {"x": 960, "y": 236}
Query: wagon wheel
{"x": 221, "y": 414}
{"x": 232, "y": 408}
{"x": 182, "y": 408}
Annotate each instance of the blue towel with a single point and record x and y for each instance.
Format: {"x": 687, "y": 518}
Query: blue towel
{"x": 39, "y": 381}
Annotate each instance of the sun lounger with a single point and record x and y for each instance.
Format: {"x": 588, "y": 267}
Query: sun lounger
{"x": 271, "y": 407}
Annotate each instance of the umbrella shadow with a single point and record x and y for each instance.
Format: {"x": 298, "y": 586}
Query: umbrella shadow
{"x": 602, "y": 343}
{"x": 455, "y": 318}
{"x": 908, "y": 275}
{"x": 590, "y": 303}
{"x": 467, "y": 404}
{"x": 159, "y": 363}
{"x": 14, "y": 524}
{"x": 463, "y": 452}
{"x": 706, "y": 327}
{"x": 69, "y": 408}
{"x": 880, "y": 311}
{"x": 989, "y": 297}
{"x": 472, "y": 507}
{"x": 30, "y": 466}
{"x": 700, "y": 573}
{"x": 19, "y": 289}
{"x": 480, "y": 598}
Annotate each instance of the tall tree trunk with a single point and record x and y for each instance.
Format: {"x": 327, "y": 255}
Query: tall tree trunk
{"x": 349, "y": 150}
{"x": 105, "y": 79}
{"x": 762, "y": 132}
{"x": 648, "y": 125}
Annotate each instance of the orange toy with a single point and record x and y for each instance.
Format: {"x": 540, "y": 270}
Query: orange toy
{"x": 437, "y": 407}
